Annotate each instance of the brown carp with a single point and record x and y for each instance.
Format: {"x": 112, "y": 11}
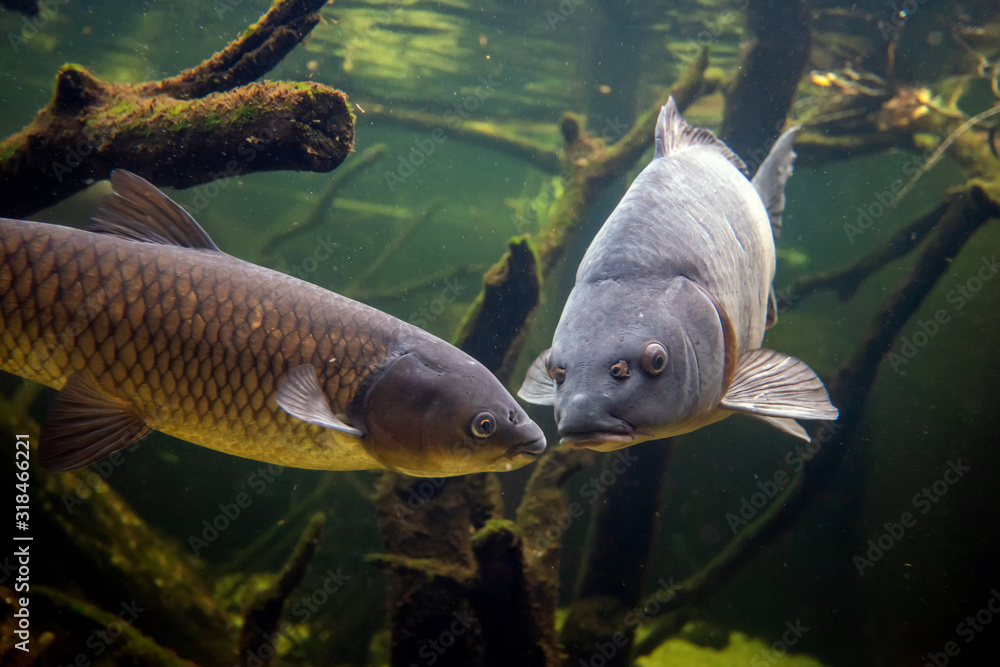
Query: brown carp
{"x": 148, "y": 325}
{"x": 661, "y": 334}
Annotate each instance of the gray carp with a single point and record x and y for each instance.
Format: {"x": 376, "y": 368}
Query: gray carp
{"x": 661, "y": 333}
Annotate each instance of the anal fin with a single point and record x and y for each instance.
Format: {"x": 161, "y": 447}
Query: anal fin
{"x": 86, "y": 424}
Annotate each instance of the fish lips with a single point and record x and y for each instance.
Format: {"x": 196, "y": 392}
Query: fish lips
{"x": 532, "y": 448}
{"x": 605, "y": 440}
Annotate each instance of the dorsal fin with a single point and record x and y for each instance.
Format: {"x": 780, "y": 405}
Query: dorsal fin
{"x": 138, "y": 211}
{"x": 769, "y": 181}
{"x": 673, "y": 134}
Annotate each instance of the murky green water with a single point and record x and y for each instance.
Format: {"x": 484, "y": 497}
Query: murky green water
{"x": 891, "y": 559}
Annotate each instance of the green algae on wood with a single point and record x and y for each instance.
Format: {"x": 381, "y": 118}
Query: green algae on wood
{"x": 200, "y": 126}
{"x": 510, "y": 292}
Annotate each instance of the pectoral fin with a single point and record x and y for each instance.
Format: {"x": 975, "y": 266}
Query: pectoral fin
{"x": 301, "y": 396}
{"x": 772, "y": 384}
{"x": 538, "y": 387}
{"x": 86, "y": 424}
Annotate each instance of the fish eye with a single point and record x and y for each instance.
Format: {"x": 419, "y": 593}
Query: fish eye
{"x": 557, "y": 374}
{"x": 484, "y": 425}
{"x": 654, "y": 358}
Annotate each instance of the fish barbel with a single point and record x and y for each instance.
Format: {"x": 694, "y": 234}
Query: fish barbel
{"x": 148, "y": 325}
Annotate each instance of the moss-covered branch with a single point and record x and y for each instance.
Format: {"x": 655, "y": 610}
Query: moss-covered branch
{"x": 28, "y": 7}
{"x": 251, "y": 56}
{"x": 964, "y": 214}
{"x": 590, "y": 164}
{"x": 474, "y": 132}
{"x": 845, "y": 282}
{"x": 133, "y": 647}
{"x": 183, "y": 131}
{"x": 768, "y": 77}
{"x": 510, "y": 292}
{"x": 260, "y": 621}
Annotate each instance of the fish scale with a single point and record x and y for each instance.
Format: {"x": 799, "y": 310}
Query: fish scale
{"x": 186, "y": 338}
{"x": 149, "y": 325}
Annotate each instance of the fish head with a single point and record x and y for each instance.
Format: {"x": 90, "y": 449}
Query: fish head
{"x": 633, "y": 362}
{"x": 434, "y": 411}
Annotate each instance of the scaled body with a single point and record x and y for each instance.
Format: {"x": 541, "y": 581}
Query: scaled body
{"x": 204, "y": 346}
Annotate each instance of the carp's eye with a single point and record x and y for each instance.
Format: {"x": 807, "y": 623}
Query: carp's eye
{"x": 654, "y": 358}
{"x": 557, "y": 374}
{"x": 484, "y": 425}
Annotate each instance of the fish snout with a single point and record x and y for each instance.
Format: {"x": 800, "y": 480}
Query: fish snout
{"x": 531, "y": 441}
{"x": 583, "y": 423}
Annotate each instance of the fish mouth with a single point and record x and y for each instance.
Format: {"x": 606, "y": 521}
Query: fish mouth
{"x": 602, "y": 440}
{"x": 532, "y": 448}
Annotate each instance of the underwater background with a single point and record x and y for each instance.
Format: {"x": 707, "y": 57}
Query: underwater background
{"x": 131, "y": 563}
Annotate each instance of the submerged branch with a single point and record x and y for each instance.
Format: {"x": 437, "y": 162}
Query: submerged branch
{"x": 964, "y": 213}
{"x": 179, "y": 132}
{"x": 476, "y": 133}
{"x": 590, "y": 164}
{"x": 845, "y": 282}
{"x": 768, "y": 77}
{"x": 510, "y": 292}
{"x": 251, "y": 56}
{"x": 320, "y": 211}
{"x": 390, "y": 250}
{"x": 133, "y": 645}
{"x": 261, "y": 619}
